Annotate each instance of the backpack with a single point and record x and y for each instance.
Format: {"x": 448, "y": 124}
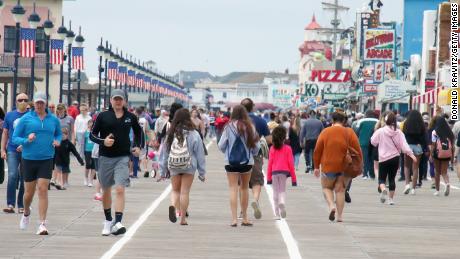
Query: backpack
{"x": 443, "y": 149}
{"x": 238, "y": 155}
{"x": 179, "y": 156}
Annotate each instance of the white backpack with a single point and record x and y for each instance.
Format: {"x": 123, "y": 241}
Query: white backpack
{"x": 179, "y": 156}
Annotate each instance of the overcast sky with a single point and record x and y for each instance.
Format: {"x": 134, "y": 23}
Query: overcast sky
{"x": 218, "y": 36}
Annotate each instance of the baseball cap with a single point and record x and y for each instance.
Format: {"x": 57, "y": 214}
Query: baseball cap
{"x": 39, "y": 97}
{"x": 118, "y": 93}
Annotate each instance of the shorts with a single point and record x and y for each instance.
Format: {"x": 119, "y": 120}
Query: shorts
{"x": 89, "y": 161}
{"x": 238, "y": 169}
{"x": 36, "y": 169}
{"x": 331, "y": 176}
{"x": 257, "y": 176}
{"x": 416, "y": 149}
{"x": 113, "y": 171}
{"x": 65, "y": 169}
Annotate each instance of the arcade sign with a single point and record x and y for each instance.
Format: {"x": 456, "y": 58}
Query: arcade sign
{"x": 379, "y": 44}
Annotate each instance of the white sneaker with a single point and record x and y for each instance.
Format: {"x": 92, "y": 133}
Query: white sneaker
{"x": 24, "y": 223}
{"x": 390, "y": 201}
{"x": 107, "y": 230}
{"x": 42, "y": 229}
{"x": 383, "y": 196}
{"x": 118, "y": 229}
{"x": 282, "y": 210}
{"x": 447, "y": 190}
{"x": 365, "y": 177}
{"x": 90, "y": 184}
{"x": 436, "y": 193}
{"x": 407, "y": 189}
{"x": 412, "y": 191}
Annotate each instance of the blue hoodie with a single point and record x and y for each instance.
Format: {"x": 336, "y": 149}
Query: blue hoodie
{"x": 46, "y": 132}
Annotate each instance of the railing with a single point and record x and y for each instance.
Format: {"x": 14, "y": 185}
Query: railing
{"x": 7, "y": 60}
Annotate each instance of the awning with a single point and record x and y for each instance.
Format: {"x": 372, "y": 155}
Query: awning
{"x": 428, "y": 97}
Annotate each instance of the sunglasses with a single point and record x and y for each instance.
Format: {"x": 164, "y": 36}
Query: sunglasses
{"x": 22, "y": 100}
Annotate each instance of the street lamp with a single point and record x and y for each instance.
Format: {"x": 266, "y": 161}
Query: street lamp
{"x": 100, "y": 52}
{"x": 18, "y": 13}
{"x": 48, "y": 28}
{"x": 62, "y": 33}
{"x": 70, "y": 38}
{"x": 108, "y": 57}
{"x": 34, "y": 20}
{"x": 79, "y": 42}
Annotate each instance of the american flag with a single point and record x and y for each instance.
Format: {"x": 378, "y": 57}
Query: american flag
{"x": 57, "y": 52}
{"x": 122, "y": 74}
{"x": 147, "y": 83}
{"x": 77, "y": 58}
{"x": 131, "y": 77}
{"x": 27, "y": 43}
{"x": 139, "y": 77}
{"x": 112, "y": 70}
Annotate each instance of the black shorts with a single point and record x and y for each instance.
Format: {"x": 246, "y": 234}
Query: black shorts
{"x": 35, "y": 169}
{"x": 238, "y": 169}
{"x": 89, "y": 161}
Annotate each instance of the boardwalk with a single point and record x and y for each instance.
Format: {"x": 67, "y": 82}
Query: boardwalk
{"x": 420, "y": 226}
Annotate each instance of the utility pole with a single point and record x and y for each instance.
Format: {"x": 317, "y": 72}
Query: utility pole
{"x": 336, "y": 8}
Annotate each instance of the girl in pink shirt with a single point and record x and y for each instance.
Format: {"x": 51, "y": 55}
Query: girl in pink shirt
{"x": 280, "y": 166}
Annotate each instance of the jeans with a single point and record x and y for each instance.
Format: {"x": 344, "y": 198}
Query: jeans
{"x": 296, "y": 160}
{"x": 135, "y": 165}
{"x": 14, "y": 178}
{"x": 368, "y": 162}
{"x": 309, "y": 149}
{"x": 212, "y": 132}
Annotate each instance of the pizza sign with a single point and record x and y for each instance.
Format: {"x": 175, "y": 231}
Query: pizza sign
{"x": 379, "y": 44}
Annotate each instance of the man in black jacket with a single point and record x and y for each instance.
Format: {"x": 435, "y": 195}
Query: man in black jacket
{"x": 111, "y": 131}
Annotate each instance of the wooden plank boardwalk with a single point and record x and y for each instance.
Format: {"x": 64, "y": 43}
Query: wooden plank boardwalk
{"x": 420, "y": 226}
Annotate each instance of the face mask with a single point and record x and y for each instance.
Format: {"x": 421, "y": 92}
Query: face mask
{"x": 22, "y": 106}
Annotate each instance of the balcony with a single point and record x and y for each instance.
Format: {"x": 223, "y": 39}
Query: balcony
{"x": 7, "y": 60}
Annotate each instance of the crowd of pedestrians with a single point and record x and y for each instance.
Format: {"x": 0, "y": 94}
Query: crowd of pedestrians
{"x": 113, "y": 145}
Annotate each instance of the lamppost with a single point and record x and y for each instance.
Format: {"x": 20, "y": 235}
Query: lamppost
{"x": 18, "y": 13}
{"x": 34, "y": 20}
{"x": 70, "y": 37}
{"x": 62, "y": 33}
{"x": 100, "y": 52}
{"x": 79, "y": 42}
{"x": 108, "y": 57}
{"x": 48, "y": 28}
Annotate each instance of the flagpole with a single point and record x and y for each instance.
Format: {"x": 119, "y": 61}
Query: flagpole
{"x": 18, "y": 12}
{"x": 48, "y": 26}
{"x": 70, "y": 38}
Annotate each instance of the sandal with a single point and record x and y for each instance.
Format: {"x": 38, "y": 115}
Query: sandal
{"x": 184, "y": 224}
{"x": 247, "y": 224}
{"x": 234, "y": 225}
{"x": 332, "y": 215}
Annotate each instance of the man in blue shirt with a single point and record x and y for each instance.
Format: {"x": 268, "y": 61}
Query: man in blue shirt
{"x": 257, "y": 176}
{"x": 12, "y": 153}
{"x": 38, "y": 132}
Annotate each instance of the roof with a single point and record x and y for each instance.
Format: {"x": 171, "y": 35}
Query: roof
{"x": 251, "y": 77}
{"x": 313, "y": 24}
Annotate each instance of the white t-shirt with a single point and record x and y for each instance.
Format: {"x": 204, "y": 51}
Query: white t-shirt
{"x": 81, "y": 123}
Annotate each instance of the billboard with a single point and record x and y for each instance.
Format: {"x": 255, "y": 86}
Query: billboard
{"x": 281, "y": 95}
{"x": 379, "y": 44}
{"x": 412, "y": 25}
